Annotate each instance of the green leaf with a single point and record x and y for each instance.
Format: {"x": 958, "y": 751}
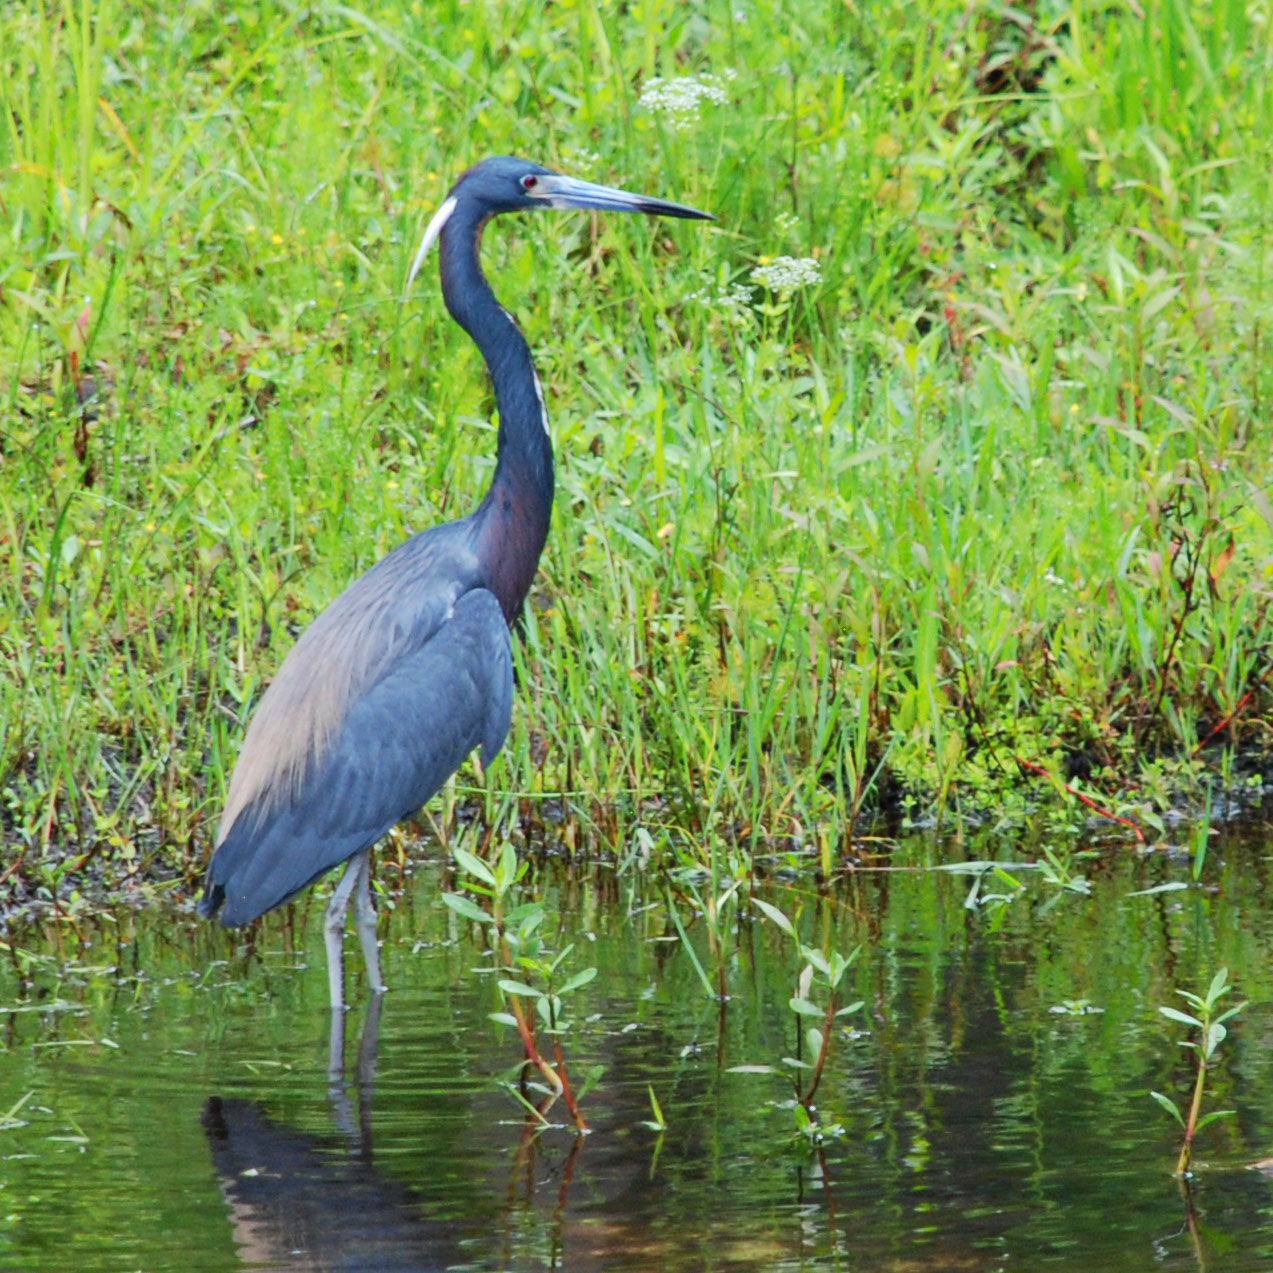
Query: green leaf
{"x": 1183, "y": 1017}
{"x": 1008, "y": 880}
{"x": 1169, "y": 1105}
{"x": 466, "y": 907}
{"x": 474, "y": 866}
{"x": 813, "y": 1038}
{"x": 805, "y": 1008}
{"x": 510, "y": 987}
{"x": 659, "y": 1123}
{"x": 1174, "y": 887}
{"x": 519, "y": 914}
{"x": 774, "y": 915}
{"x": 579, "y": 979}
{"x": 527, "y": 922}
{"x": 1212, "y": 1037}
{"x": 752, "y": 1069}
{"x": 853, "y": 1007}
{"x": 1211, "y": 1118}
{"x": 639, "y": 542}
{"x": 503, "y": 1018}
{"x": 688, "y": 948}
{"x": 506, "y": 868}
{"x": 560, "y": 959}
{"x": 1219, "y": 985}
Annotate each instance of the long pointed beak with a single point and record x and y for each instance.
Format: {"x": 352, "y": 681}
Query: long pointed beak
{"x": 564, "y": 193}
{"x": 569, "y": 192}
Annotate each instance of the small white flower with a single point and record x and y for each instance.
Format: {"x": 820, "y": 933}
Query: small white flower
{"x": 786, "y": 222}
{"x": 577, "y": 159}
{"x": 680, "y": 99}
{"x": 730, "y": 298}
{"x": 786, "y": 273}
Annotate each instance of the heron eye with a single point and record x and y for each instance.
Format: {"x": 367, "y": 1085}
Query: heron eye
{"x": 530, "y": 181}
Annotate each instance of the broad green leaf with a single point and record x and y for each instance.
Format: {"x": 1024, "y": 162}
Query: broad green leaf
{"x": 506, "y": 869}
{"x": 805, "y": 1008}
{"x": 804, "y": 982}
{"x": 527, "y": 908}
{"x": 527, "y": 926}
{"x": 1183, "y": 1017}
{"x": 1211, "y": 1118}
{"x": 510, "y": 987}
{"x": 1214, "y": 1036}
{"x": 774, "y": 915}
{"x": 1169, "y": 1105}
{"x": 1174, "y": 887}
{"x": 474, "y": 866}
{"x": 549, "y": 1008}
{"x": 466, "y": 907}
{"x": 579, "y": 979}
{"x": 1219, "y": 985}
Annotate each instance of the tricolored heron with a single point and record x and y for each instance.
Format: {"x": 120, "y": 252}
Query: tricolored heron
{"x": 410, "y": 668}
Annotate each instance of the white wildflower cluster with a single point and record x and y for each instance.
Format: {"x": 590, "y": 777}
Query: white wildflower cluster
{"x": 730, "y": 298}
{"x": 679, "y": 100}
{"x": 786, "y": 273}
{"x": 785, "y": 222}
{"x": 577, "y": 159}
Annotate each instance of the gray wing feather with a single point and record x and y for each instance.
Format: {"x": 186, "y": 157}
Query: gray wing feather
{"x": 398, "y": 743}
{"x": 383, "y": 617}
{"x": 499, "y": 706}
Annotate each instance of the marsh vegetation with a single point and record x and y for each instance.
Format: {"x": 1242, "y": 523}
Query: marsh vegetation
{"x": 928, "y": 490}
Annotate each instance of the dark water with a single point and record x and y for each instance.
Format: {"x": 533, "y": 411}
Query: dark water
{"x": 174, "y": 1110}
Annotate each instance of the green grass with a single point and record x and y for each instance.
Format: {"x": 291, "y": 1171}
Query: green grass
{"x": 997, "y": 486}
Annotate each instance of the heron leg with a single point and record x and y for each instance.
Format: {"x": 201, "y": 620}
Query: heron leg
{"x": 365, "y": 923}
{"x": 334, "y": 928}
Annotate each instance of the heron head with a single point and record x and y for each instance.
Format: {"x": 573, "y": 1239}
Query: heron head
{"x": 507, "y": 184}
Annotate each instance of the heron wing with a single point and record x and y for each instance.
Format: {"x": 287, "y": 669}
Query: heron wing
{"x": 384, "y": 616}
{"x": 399, "y": 741}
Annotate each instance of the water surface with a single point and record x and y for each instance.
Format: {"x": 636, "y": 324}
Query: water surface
{"x": 987, "y": 1109}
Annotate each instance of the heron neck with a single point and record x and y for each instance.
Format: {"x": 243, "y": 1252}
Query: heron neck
{"x": 513, "y": 517}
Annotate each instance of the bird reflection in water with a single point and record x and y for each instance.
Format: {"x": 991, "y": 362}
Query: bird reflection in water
{"x": 298, "y": 1203}
{"x": 309, "y": 1203}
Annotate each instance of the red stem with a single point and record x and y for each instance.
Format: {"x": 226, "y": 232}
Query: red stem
{"x": 1030, "y": 767}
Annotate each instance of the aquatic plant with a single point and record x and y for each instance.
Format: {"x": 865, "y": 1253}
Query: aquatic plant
{"x": 517, "y": 940}
{"x": 1211, "y": 1032}
{"x": 815, "y": 1023}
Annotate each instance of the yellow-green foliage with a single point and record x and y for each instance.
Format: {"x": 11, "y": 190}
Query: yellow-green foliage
{"x": 980, "y": 471}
